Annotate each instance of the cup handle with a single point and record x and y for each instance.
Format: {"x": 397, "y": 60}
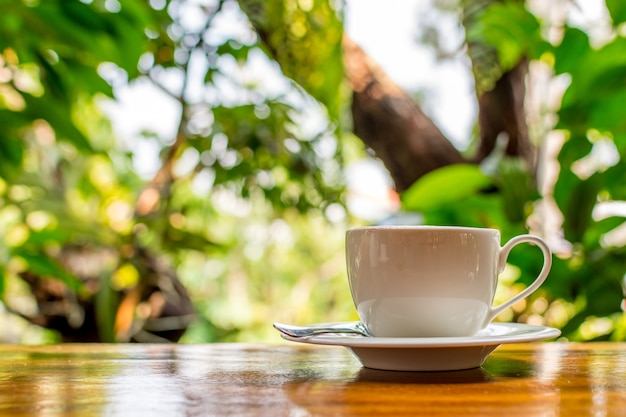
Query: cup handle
{"x": 545, "y": 270}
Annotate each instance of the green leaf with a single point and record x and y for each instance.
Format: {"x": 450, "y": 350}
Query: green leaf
{"x": 614, "y": 182}
{"x": 478, "y": 210}
{"x": 599, "y": 228}
{"x": 444, "y": 186}
{"x": 517, "y": 189}
{"x": 84, "y": 16}
{"x": 577, "y": 200}
{"x": 617, "y": 10}
{"x": 105, "y": 304}
{"x": 49, "y": 268}
{"x": 608, "y": 113}
{"x": 512, "y": 30}
{"x": 620, "y": 143}
{"x": 577, "y": 147}
{"x": 596, "y": 74}
{"x": 60, "y": 118}
{"x": 573, "y": 47}
{"x": 11, "y": 153}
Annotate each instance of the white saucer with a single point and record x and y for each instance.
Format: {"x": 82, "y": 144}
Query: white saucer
{"x": 432, "y": 353}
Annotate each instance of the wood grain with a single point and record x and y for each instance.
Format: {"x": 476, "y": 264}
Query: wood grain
{"x": 544, "y": 379}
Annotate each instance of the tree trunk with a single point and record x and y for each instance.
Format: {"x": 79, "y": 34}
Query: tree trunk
{"x": 389, "y": 122}
{"x": 407, "y": 141}
{"x": 501, "y": 111}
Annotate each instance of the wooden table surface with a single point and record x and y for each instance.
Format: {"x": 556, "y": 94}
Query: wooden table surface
{"x": 541, "y": 379}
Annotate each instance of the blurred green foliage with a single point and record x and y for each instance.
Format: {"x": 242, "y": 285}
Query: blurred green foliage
{"x": 245, "y": 206}
{"x": 237, "y": 206}
{"x": 584, "y": 293}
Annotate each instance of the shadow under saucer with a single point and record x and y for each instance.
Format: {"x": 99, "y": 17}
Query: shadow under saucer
{"x": 467, "y": 376}
{"x": 452, "y": 358}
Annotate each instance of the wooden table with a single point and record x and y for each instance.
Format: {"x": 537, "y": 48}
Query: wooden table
{"x": 543, "y": 379}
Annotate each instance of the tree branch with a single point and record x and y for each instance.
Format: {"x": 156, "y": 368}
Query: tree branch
{"x": 389, "y": 121}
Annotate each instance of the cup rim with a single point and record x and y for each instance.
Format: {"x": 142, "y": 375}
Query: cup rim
{"x": 422, "y": 227}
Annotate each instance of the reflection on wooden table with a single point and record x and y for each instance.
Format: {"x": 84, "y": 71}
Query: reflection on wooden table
{"x": 543, "y": 379}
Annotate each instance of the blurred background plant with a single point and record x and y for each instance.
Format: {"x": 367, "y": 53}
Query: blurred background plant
{"x": 235, "y": 218}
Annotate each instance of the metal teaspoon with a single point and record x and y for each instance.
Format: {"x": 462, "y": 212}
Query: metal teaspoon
{"x": 354, "y": 327}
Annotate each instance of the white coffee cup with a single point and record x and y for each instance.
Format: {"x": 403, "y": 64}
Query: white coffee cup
{"x": 430, "y": 281}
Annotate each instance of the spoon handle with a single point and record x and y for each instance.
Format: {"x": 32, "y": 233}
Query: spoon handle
{"x": 354, "y": 327}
